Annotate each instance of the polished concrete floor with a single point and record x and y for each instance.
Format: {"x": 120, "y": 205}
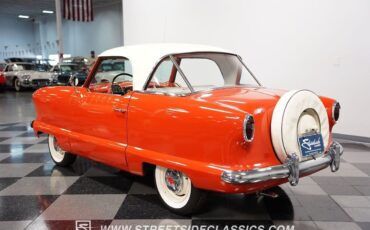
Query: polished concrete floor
{"x": 16, "y": 107}
{"x": 36, "y": 194}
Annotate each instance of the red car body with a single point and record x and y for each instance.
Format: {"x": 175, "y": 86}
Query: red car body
{"x": 199, "y": 134}
{"x": 191, "y": 151}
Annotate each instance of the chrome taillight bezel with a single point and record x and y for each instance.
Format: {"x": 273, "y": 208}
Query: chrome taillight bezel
{"x": 335, "y": 113}
{"x": 248, "y": 128}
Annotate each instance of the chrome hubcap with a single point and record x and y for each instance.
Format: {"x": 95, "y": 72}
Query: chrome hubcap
{"x": 174, "y": 181}
{"x": 57, "y": 147}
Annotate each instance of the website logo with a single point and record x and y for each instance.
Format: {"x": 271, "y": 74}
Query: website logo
{"x": 83, "y": 224}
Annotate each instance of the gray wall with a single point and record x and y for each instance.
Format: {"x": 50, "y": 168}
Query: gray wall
{"x": 80, "y": 38}
{"x": 293, "y": 44}
{"x": 13, "y": 32}
{"x": 105, "y": 32}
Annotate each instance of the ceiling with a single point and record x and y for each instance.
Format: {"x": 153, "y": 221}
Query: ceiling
{"x": 33, "y": 8}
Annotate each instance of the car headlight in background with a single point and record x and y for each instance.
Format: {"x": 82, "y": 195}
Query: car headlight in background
{"x": 248, "y": 128}
{"x": 336, "y": 111}
{"x": 26, "y": 77}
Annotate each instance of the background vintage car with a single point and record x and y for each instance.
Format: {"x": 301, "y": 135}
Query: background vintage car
{"x": 62, "y": 72}
{"x": 196, "y": 115}
{"x": 20, "y": 75}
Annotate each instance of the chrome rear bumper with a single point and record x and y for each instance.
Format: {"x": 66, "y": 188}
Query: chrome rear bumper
{"x": 291, "y": 169}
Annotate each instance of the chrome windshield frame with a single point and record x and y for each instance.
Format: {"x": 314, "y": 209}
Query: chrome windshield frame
{"x": 191, "y": 88}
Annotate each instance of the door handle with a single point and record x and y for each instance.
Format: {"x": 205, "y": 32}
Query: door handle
{"x": 119, "y": 110}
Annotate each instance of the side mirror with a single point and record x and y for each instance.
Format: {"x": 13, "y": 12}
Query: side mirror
{"x": 73, "y": 81}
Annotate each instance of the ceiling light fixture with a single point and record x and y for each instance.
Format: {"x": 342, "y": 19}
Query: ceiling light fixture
{"x": 23, "y": 16}
{"x": 48, "y": 12}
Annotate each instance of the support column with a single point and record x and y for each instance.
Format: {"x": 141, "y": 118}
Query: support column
{"x": 58, "y": 13}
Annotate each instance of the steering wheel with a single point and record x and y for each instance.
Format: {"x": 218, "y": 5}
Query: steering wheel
{"x": 116, "y": 89}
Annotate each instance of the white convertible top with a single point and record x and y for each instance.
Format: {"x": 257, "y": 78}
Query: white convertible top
{"x": 144, "y": 57}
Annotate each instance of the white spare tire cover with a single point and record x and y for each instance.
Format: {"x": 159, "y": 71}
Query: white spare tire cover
{"x": 296, "y": 113}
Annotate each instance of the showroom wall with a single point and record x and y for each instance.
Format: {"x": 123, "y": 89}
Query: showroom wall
{"x": 80, "y": 38}
{"x": 19, "y": 36}
{"x": 291, "y": 44}
{"x": 39, "y": 35}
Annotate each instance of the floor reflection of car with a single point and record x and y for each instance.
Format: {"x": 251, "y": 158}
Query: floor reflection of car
{"x": 21, "y": 75}
{"x": 61, "y": 73}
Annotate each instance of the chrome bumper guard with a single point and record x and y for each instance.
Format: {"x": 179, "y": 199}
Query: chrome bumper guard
{"x": 291, "y": 169}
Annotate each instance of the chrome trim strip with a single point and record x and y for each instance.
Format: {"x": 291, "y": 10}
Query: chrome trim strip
{"x": 182, "y": 74}
{"x": 195, "y": 92}
{"x": 250, "y": 72}
{"x": 144, "y": 89}
{"x": 162, "y": 93}
{"x": 331, "y": 158}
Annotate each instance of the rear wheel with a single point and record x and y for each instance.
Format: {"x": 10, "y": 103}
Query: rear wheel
{"x": 177, "y": 192}
{"x": 17, "y": 85}
{"x": 59, "y": 156}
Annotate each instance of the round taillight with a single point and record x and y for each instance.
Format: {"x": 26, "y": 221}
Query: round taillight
{"x": 336, "y": 111}
{"x": 248, "y": 128}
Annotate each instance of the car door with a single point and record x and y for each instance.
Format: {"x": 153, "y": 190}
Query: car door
{"x": 100, "y": 132}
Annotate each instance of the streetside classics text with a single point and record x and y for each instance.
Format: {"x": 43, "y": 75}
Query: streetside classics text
{"x": 197, "y": 227}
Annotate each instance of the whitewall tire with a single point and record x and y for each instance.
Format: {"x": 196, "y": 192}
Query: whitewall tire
{"x": 177, "y": 192}
{"x": 58, "y": 155}
{"x": 296, "y": 113}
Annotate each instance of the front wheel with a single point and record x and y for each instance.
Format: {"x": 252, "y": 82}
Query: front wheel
{"x": 59, "y": 156}
{"x": 177, "y": 192}
{"x": 17, "y": 85}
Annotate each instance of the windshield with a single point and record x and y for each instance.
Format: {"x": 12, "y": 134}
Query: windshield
{"x": 110, "y": 68}
{"x": 69, "y": 68}
{"x": 199, "y": 71}
{"x": 20, "y": 67}
{"x": 41, "y": 67}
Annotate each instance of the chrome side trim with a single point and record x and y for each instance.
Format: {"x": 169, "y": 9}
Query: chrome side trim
{"x": 292, "y": 169}
{"x": 163, "y": 93}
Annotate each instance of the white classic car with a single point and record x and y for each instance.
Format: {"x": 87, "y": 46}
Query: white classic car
{"x": 20, "y": 75}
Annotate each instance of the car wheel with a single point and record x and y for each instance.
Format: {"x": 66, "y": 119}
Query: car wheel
{"x": 59, "y": 156}
{"x": 17, "y": 85}
{"x": 177, "y": 192}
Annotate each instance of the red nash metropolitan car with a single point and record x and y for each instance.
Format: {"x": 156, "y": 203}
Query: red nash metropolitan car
{"x": 194, "y": 114}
